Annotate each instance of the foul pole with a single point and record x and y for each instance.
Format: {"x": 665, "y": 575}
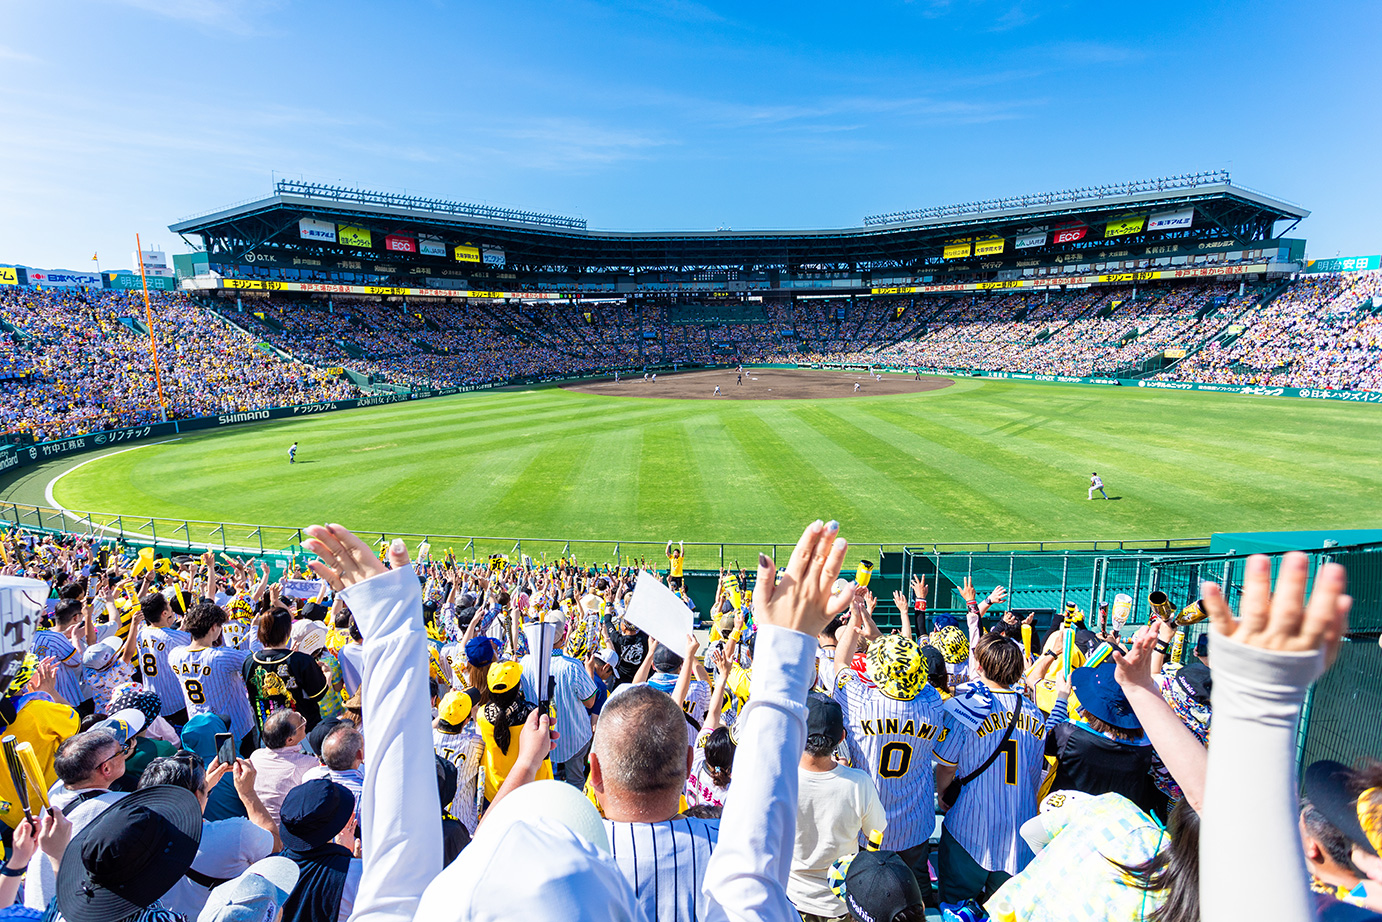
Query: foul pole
{"x": 149, "y": 322}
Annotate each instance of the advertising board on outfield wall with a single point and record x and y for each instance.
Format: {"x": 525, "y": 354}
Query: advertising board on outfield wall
{"x": 9, "y": 275}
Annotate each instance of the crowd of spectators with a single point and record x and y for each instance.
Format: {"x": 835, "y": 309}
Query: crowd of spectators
{"x": 379, "y": 739}
{"x": 81, "y": 362}
{"x": 1323, "y": 332}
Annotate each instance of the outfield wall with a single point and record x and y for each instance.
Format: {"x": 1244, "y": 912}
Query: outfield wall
{"x": 18, "y": 456}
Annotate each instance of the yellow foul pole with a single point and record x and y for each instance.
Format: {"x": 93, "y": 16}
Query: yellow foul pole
{"x": 149, "y": 322}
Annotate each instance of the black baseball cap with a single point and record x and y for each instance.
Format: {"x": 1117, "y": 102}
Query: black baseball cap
{"x": 1330, "y": 788}
{"x": 666, "y": 659}
{"x": 824, "y": 717}
{"x": 130, "y": 855}
{"x": 879, "y": 885}
{"x": 1196, "y": 680}
{"x": 314, "y": 813}
{"x": 319, "y": 732}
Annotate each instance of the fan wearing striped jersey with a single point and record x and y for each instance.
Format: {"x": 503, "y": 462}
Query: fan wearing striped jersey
{"x": 893, "y": 720}
{"x": 980, "y": 847}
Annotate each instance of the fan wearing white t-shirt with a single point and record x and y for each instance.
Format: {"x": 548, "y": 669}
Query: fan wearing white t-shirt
{"x": 836, "y": 806}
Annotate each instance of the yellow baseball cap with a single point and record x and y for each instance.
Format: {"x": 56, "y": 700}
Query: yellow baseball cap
{"x": 455, "y": 708}
{"x": 504, "y": 676}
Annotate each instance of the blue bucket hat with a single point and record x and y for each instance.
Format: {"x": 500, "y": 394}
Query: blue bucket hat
{"x": 1101, "y": 696}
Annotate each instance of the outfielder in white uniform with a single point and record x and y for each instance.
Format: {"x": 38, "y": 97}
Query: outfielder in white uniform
{"x": 1096, "y": 483}
{"x": 980, "y": 847}
{"x": 212, "y": 677}
{"x": 893, "y": 721}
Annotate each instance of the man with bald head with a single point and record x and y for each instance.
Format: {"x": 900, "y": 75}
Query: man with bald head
{"x": 638, "y": 767}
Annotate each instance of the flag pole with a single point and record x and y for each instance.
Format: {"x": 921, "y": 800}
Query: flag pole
{"x": 149, "y": 321}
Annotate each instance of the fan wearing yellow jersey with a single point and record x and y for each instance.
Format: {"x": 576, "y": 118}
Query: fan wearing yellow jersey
{"x": 675, "y": 558}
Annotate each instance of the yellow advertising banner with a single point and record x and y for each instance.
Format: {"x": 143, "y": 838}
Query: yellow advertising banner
{"x": 9, "y": 275}
{"x": 243, "y": 283}
{"x": 957, "y": 250}
{"x": 1127, "y": 277}
{"x": 1174, "y": 353}
{"x": 352, "y": 236}
{"x": 996, "y": 286}
{"x": 465, "y": 254}
{"x": 989, "y": 246}
{"x": 385, "y": 290}
{"x": 336, "y": 370}
{"x": 1128, "y": 224}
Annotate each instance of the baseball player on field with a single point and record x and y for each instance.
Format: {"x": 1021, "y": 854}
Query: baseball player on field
{"x": 212, "y": 677}
{"x": 980, "y": 847}
{"x": 893, "y": 720}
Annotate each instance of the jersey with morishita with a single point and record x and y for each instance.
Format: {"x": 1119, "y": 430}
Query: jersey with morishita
{"x": 155, "y": 643}
{"x": 985, "y": 818}
{"x": 213, "y": 682}
{"x": 893, "y": 740}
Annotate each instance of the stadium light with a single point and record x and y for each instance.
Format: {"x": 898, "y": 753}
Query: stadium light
{"x": 417, "y": 203}
{"x": 1065, "y": 196}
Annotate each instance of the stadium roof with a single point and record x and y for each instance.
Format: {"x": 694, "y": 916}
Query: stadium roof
{"x": 535, "y": 241}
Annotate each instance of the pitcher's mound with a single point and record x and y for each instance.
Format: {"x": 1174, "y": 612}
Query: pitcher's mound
{"x": 763, "y": 384}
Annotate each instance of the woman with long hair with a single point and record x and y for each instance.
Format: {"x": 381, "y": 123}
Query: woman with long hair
{"x": 500, "y": 721}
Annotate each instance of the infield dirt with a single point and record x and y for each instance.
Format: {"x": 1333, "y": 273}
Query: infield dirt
{"x": 762, "y": 384}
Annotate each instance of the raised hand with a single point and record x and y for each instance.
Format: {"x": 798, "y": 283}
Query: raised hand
{"x": 1135, "y": 666}
{"x": 919, "y": 586}
{"x": 345, "y": 559}
{"x": 900, "y": 601}
{"x": 802, "y": 600}
{"x": 1282, "y": 620}
{"x": 998, "y": 595}
{"x": 967, "y": 591}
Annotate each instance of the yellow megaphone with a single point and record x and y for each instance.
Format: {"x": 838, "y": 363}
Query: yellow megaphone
{"x": 863, "y": 574}
{"x": 145, "y": 563}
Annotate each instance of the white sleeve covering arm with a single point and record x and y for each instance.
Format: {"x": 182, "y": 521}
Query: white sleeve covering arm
{"x": 400, "y": 815}
{"x": 746, "y": 878}
{"x": 1251, "y": 810}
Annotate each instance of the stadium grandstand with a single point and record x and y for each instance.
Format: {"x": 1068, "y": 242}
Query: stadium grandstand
{"x": 318, "y": 293}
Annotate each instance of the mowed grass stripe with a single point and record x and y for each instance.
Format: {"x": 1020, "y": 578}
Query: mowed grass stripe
{"x": 804, "y": 493}
{"x": 980, "y": 460}
{"x": 739, "y": 493}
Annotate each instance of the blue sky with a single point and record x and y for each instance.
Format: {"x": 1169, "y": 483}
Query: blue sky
{"x": 672, "y": 114}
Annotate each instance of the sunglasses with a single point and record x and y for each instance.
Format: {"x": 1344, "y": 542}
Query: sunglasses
{"x": 125, "y": 751}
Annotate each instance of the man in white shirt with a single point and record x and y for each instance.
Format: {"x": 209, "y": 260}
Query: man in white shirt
{"x": 638, "y": 768}
{"x": 835, "y": 807}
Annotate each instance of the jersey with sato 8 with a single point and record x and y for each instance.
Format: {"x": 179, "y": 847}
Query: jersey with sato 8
{"x": 213, "y": 683}
{"x": 155, "y": 643}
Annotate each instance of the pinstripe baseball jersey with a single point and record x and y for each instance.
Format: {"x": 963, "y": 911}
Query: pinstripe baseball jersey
{"x": 665, "y": 864}
{"x": 212, "y": 683}
{"x": 990, "y": 809}
{"x": 892, "y": 740}
{"x": 237, "y": 634}
{"x": 573, "y": 686}
{"x": 463, "y": 750}
{"x": 69, "y": 675}
{"x": 155, "y": 643}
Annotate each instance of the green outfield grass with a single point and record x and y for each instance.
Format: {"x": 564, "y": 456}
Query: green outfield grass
{"x": 982, "y": 460}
